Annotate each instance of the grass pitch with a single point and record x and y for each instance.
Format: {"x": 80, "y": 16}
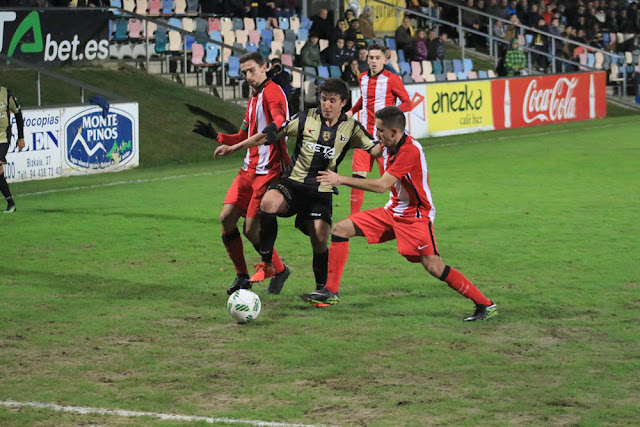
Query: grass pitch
{"x": 112, "y": 296}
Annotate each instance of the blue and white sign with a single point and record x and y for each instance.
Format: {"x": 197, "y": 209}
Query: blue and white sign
{"x": 100, "y": 142}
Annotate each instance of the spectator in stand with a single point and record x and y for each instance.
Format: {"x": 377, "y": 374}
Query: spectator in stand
{"x": 363, "y": 64}
{"x": 503, "y": 9}
{"x": 541, "y": 44}
{"x": 515, "y": 60}
{"x": 632, "y": 16}
{"x": 349, "y": 15}
{"x": 512, "y": 7}
{"x": 355, "y": 34}
{"x": 335, "y": 53}
{"x": 366, "y": 23}
{"x": 420, "y": 46}
{"x": 470, "y": 20}
{"x": 512, "y": 30}
{"x": 611, "y": 24}
{"x": 493, "y": 8}
{"x": 498, "y": 29}
{"x": 351, "y": 74}
{"x": 440, "y": 48}
{"x": 596, "y": 38}
{"x": 404, "y": 37}
{"x": 279, "y": 75}
{"x": 522, "y": 9}
{"x": 432, "y": 45}
{"x": 310, "y": 52}
{"x": 554, "y": 28}
{"x": 483, "y": 22}
{"x": 321, "y": 24}
{"x": 580, "y": 11}
{"x": 340, "y": 31}
{"x": 532, "y": 16}
{"x": 350, "y": 51}
{"x": 549, "y": 11}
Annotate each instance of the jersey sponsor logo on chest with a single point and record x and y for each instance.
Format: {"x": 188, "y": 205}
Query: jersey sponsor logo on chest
{"x": 327, "y": 151}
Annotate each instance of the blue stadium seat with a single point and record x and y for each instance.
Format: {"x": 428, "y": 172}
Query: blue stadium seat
{"x": 121, "y": 29}
{"x": 192, "y": 7}
{"x": 290, "y": 35}
{"x": 234, "y": 68}
{"x": 215, "y": 35}
{"x": 591, "y": 59}
{"x": 261, "y": 24}
{"x": 335, "y": 72}
{"x": 264, "y": 49}
{"x": 437, "y": 67}
{"x": 405, "y": 69}
{"x": 251, "y": 47}
{"x": 401, "y": 57}
{"x": 167, "y": 7}
{"x": 289, "y": 48}
{"x": 482, "y": 74}
{"x": 189, "y": 40}
{"x": 528, "y": 39}
{"x": 447, "y": 66}
{"x": 283, "y": 23}
{"x": 462, "y": 75}
{"x": 468, "y": 65}
{"x": 237, "y": 24}
{"x": 605, "y": 38}
{"x": 305, "y": 23}
{"x": 212, "y": 51}
{"x": 267, "y": 36}
{"x": 303, "y": 34}
{"x": 390, "y": 42}
{"x": 323, "y": 71}
{"x": 457, "y": 66}
{"x": 175, "y": 22}
{"x": 310, "y": 70}
{"x": 161, "y": 42}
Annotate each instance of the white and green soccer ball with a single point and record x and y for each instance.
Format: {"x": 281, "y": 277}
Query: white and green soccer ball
{"x": 244, "y": 306}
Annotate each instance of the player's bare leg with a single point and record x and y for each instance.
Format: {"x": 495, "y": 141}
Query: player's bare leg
{"x": 485, "y": 308}
{"x": 357, "y": 196}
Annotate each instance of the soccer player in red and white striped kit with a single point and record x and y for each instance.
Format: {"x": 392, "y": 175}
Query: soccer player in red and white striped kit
{"x": 407, "y": 217}
{"x": 379, "y": 88}
{"x": 267, "y": 110}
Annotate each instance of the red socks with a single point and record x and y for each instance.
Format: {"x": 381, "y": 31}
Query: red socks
{"x": 338, "y": 253}
{"x": 463, "y": 286}
{"x": 233, "y": 244}
{"x": 277, "y": 262}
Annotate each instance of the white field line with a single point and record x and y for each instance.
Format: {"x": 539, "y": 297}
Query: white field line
{"x": 124, "y": 413}
{"x": 135, "y": 181}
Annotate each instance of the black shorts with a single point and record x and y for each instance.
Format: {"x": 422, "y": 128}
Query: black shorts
{"x": 4, "y": 149}
{"x": 304, "y": 202}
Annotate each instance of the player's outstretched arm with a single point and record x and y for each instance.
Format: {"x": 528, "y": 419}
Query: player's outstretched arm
{"x": 378, "y": 185}
{"x": 254, "y": 141}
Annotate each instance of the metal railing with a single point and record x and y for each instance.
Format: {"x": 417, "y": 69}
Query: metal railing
{"x": 494, "y": 41}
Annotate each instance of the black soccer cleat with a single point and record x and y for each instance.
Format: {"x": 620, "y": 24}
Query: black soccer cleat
{"x": 11, "y": 208}
{"x": 241, "y": 282}
{"x": 483, "y": 312}
{"x": 277, "y": 282}
{"x": 321, "y": 296}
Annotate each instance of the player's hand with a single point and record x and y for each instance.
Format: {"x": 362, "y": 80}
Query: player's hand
{"x": 206, "y": 130}
{"x": 271, "y": 131}
{"x": 349, "y": 113}
{"x": 328, "y": 177}
{"x": 223, "y": 150}
{"x": 20, "y": 144}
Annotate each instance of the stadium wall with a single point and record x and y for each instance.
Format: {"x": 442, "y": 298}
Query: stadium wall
{"x": 76, "y": 140}
{"x": 458, "y": 107}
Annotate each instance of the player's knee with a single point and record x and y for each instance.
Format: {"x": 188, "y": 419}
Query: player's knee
{"x": 341, "y": 229}
{"x": 433, "y": 264}
{"x": 270, "y": 203}
{"x": 227, "y": 220}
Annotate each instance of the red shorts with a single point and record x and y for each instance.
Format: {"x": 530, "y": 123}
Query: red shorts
{"x": 247, "y": 190}
{"x": 414, "y": 236}
{"x": 363, "y": 161}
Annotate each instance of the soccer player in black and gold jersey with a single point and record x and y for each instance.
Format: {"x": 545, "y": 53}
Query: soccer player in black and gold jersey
{"x": 323, "y": 136}
{"x": 8, "y": 103}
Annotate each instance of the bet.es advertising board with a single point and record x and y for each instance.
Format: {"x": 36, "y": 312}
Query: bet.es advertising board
{"x": 459, "y": 107}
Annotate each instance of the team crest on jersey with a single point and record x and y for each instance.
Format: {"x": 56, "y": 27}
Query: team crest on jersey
{"x": 326, "y": 135}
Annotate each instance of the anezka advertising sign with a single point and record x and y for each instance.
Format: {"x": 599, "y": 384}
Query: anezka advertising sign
{"x": 529, "y": 101}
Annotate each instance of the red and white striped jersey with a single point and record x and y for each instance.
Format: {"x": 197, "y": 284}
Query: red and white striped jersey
{"x": 267, "y": 105}
{"x": 410, "y": 197}
{"x": 378, "y": 92}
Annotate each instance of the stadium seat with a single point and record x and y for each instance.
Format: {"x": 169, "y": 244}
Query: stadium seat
{"x": 299, "y": 46}
{"x": 605, "y": 38}
{"x": 249, "y": 24}
{"x": 335, "y": 71}
{"x": 323, "y": 44}
{"x": 188, "y": 25}
{"x": 294, "y": 23}
{"x": 491, "y": 74}
{"x": 192, "y": 7}
{"x": 179, "y": 7}
{"x": 416, "y": 72}
{"x": 305, "y": 23}
{"x": 482, "y": 74}
{"x": 175, "y": 22}
{"x": 273, "y": 22}
{"x": 441, "y": 77}
{"x": 129, "y": 5}
{"x": 407, "y": 78}
{"x": 226, "y": 25}
{"x": 288, "y": 48}
{"x": 198, "y": 55}
{"x": 290, "y": 35}
{"x": 167, "y": 7}
{"x": 457, "y": 66}
{"x": 582, "y": 57}
{"x": 302, "y": 34}
{"x": 310, "y": 92}
{"x": 427, "y": 69}
{"x": 238, "y": 48}
{"x": 461, "y": 75}
{"x": 237, "y": 24}
{"x": 135, "y": 28}
{"x": 264, "y": 49}
{"x": 121, "y": 29}
{"x": 283, "y": 23}
{"x": 151, "y": 28}
{"x": 267, "y": 36}
{"x": 161, "y": 42}
{"x": 390, "y": 43}
{"x": 287, "y": 60}
{"x": 155, "y": 6}
{"x": 323, "y": 72}
{"x": 214, "y": 24}
{"x": 451, "y": 76}
{"x": 405, "y": 68}
{"x": 278, "y": 35}
{"x": 276, "y": 49}
{"x": 201, "y": 25}
{"x": 437, "y": 67}
{"x": 606, "y": 62}
{"x": 242, "y": 36}
{"x": 254, "y": 36}
{"x": 528, "y": 38}
{"x": 141, "y": 7}
{"x": 591, "y": 60}
{"x": 467, "y": 64}
{"x": 296, "y": 80}
{"x": 117, "y": 4}
{"x": 175, "y": 41}
{"x": 251, "y": 47}
{"x": 393, "y": 57}
{"x": 310, "y": 70}
{"x": 401, "y": 57}
{"x": 599, "y": 60}
{"x": 430, "y": 78}
{"x": 261, "y": 24}
{"x": 447, "y": 66}
{"x": 211, "y": 56}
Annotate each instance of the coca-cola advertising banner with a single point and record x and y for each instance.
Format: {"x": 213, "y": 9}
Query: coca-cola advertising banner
{"x": 528, "y": 101}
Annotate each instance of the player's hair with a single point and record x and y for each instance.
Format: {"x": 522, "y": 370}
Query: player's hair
{"x": 392, "y": 117}
{"x": 376, "y": 46}
{"x": 253, "y": 56}
{"x": 337, "y": 86}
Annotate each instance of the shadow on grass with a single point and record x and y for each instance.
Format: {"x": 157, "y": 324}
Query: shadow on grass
{"x": 220, "y": 122}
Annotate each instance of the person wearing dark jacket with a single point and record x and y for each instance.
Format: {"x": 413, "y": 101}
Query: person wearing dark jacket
{"x": 404, "y": 37}
{"x": 335, "y": 54}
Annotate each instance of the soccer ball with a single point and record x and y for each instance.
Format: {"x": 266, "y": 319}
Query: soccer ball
{"x": 243, "y": 305}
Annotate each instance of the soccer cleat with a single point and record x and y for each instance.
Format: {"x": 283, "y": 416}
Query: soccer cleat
{"x": 241, "y": 282}
{"x": 276, "y": 284}
{"x": 263, "y": 271}
{"x": 11, "y": 208}
{"x": 321, "y": 296}
{"x": 483, "y": 312}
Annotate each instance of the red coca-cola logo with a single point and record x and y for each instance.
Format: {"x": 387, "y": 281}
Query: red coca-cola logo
{"x": 553, "y": 104}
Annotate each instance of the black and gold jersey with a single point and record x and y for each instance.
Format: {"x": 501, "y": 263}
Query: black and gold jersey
{"x": 320, "y": 147}
{"x": 8, "y": 102}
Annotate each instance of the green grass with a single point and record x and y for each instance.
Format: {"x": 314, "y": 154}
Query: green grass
{"x": 113, "y": 296}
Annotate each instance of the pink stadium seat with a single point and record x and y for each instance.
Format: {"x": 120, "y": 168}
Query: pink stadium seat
{"x": 416, "y": 72}
{"x": 135, "y": 28}
{"x": 214, "y": 24}
{"x": 254, "y": 36}
{"x": 155, "y": 6}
